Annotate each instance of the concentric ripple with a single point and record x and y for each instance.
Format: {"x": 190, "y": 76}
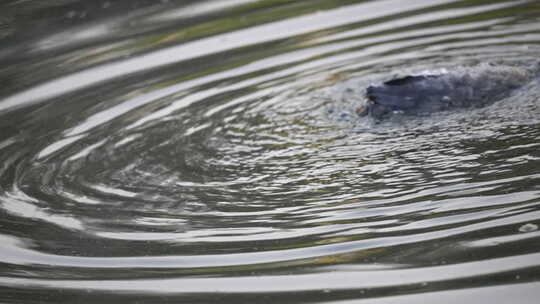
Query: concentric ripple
{"x": 211, "y": 151}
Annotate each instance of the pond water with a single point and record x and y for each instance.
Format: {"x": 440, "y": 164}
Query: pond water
{"x": 209, "y": 151}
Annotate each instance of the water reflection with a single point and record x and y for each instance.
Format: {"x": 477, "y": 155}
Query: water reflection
{"x": 210, "y": 151}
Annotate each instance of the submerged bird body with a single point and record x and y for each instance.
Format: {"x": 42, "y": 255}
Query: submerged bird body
{"x": 432, "y": 92}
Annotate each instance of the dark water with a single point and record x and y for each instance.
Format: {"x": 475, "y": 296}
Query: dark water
{"x": 209, "y": 151}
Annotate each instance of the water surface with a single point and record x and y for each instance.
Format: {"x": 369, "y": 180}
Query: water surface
{"x": 210, "y": 151}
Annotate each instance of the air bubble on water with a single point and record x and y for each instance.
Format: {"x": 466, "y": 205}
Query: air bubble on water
{"x": 529, "y": 227}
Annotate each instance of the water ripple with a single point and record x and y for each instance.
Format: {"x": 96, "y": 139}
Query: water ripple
{"x": 207, "y": 151}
